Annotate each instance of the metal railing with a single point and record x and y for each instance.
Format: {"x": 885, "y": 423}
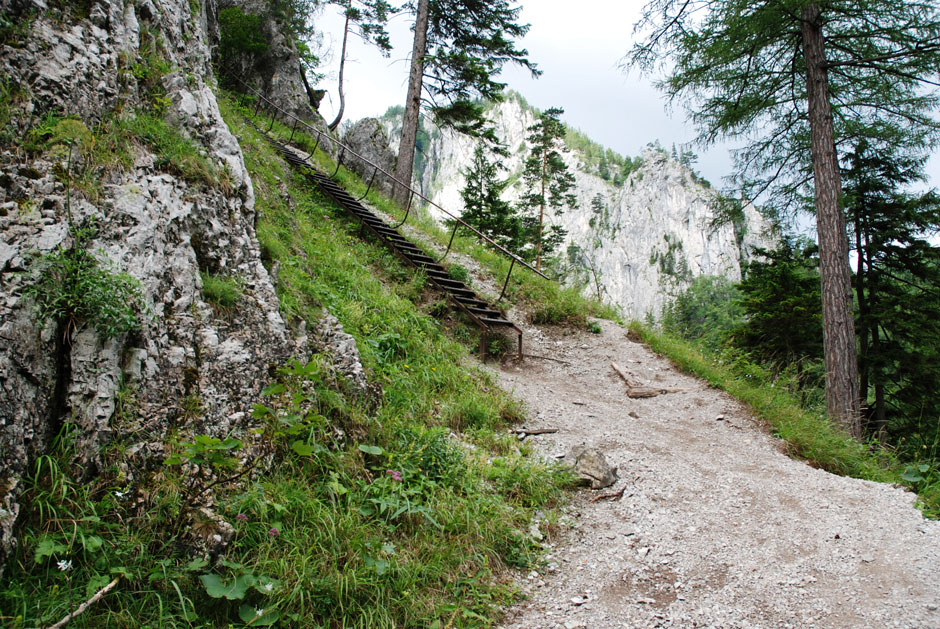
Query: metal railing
{"x": 295, "y": 121}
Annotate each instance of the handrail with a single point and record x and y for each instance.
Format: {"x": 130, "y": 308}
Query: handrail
{"x": 346, "y": 149}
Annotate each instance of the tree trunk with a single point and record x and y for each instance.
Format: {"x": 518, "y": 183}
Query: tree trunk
{"x": 538, "y": 247}
{"x": 864, "y": 312}
{"x": 842, "y": 401}
{"x": 342, "y": 67}
{"x": 409, "y": 125}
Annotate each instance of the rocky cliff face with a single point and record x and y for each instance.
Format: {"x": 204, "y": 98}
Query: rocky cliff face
{"x": 649, "y": 236}
{"x": 190, "y": 365}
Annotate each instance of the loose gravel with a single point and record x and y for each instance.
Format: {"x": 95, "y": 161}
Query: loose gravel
{"x": 717, "y": 527}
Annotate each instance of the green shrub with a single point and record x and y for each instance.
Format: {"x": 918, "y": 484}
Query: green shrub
{"x": 459, "y": 273}
{"x": 241, "y": 37}
{"x": 73, "y": 287}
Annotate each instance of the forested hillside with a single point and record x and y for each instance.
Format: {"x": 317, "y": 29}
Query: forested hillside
{"x": 258, "y": 369}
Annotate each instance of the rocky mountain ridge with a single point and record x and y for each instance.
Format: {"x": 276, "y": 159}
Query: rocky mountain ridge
{"x": 652, "y": 234}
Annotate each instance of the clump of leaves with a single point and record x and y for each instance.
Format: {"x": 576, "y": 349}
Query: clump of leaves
{"x": 459, "y": 273}
{"x": 74, "y": 287}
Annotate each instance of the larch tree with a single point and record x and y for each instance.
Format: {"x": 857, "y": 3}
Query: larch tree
{"x": 547, "y": 180}
{"x": 797, "y": 81}
{"x": 459, "y": 48}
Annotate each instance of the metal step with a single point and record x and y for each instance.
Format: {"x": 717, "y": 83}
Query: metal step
{"x": 480, "y": 311}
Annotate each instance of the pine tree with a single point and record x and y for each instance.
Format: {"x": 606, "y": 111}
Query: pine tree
{"x": 548, "y": 183}
{"x": 483, "y": 207}
{"x": 897, "y": 284}
{"x": 780, "y": 298}
{"x": 459, "y": 48}
{"x": 801, "y": 79}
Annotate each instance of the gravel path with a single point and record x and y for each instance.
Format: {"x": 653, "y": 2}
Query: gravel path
{"x": 717, "y": 527}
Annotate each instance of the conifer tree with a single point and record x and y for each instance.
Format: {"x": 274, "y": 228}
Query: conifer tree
{"x": 483, "y": 207}
{"x": 799, "y": 79}
{"x": 459, "y": 48}
{"x": 548, "y": 183}
{"x": 897, "y": 284}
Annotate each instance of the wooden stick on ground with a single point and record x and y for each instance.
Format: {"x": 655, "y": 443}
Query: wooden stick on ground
{"x": 637, "y": 390}
{"x": 617, "y": 495}
{"x": 534, "y": 431}
{"x": 94, "y": 599}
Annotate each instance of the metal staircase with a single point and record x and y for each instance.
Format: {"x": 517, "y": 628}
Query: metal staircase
{"x": 481, "y": 312}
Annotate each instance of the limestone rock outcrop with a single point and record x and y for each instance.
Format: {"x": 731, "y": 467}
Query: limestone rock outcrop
{"x": 652, "y": 235}
{"x": 368, "y": 139}
{"x": 190, "y": 364}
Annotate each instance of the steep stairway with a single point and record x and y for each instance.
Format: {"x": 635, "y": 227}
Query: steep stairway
{"x": 481, "y": 312}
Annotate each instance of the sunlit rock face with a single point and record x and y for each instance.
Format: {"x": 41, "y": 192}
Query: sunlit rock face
{"x": 648, "y": 237}
{"x": 188, "y": 365}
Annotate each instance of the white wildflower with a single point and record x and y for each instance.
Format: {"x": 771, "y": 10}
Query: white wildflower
{"x": 64, "y": 565}
{"x": 259, "y": 611}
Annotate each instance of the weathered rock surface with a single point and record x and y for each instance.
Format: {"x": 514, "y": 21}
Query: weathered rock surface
{"x": 652, "y": 237}
{"x": 190, "y": 365}
{"x": 368, "y": 138}
{"x": 591, "y": 466}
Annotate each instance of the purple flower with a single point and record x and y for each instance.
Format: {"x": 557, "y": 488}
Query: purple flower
{"x": 273, "y": 532}
{"x": 241, "y": 517}
{"x": 396, "y": 475}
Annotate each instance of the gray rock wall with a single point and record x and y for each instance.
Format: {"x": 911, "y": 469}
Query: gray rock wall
{"x": 189, "y": 365}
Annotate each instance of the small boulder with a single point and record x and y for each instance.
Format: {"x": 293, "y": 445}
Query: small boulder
{"x": 591, "y": 467}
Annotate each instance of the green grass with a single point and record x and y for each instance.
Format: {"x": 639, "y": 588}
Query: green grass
{"x": 808, "y": 435}
{"x": 220, "y": 291}
{"x": 365, "y": 513}
{"x": 110, "y": 146}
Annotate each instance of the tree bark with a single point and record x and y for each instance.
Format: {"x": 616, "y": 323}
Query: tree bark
{"x": 342, "y": 67}
{"x": 409, "y": 125}
{"x": 538, "y": 248}
{"x": 864, "y": 312}
{"x": 842, "y": 401}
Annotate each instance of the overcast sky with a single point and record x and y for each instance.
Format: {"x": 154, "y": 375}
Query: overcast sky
{"x": 578, "y": 51}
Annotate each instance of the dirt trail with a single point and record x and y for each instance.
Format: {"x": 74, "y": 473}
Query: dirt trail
{"x": 716, "y": 528}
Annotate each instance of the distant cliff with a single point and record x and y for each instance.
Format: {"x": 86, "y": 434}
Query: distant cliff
{"x": 654, "y": 228}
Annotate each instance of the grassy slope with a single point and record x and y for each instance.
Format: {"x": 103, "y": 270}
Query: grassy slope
{"x": 371, "y": 515}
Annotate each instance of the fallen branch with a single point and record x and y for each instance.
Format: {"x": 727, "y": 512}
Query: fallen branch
{"x": 94, "y": 599}
{"x": 637, "y": 390}
{"x": 534, "y": 431}
{"x": 617, "y": 495}
{"x": 557, "y": 360}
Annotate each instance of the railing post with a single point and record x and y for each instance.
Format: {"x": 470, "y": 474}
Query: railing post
{"x": 339, "y": 162}
{"x": 292, "y": 129}
{"x": 452, "y": 235}
{"x": 407, "y": 209}
{"x": 375, "y": 171}
{"x": 506, "y": 283}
